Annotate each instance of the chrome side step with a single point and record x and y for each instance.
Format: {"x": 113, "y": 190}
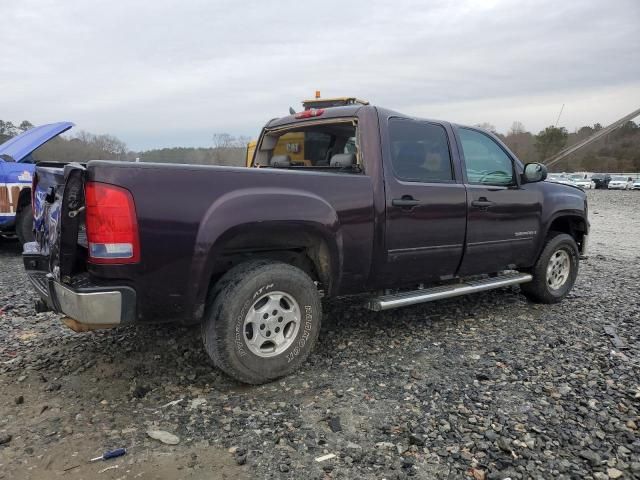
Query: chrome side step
{"x": 404, "y": 299}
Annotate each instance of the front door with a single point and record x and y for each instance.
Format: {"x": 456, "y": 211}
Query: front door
{"x": 504, "y": 218}
{"x": 425, "y": 206}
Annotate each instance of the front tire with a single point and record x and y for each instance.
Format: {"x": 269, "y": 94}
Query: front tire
{"x": 263, "y": 321}
{"x": 24, "y": 225}
{"x": 555, "y": 271}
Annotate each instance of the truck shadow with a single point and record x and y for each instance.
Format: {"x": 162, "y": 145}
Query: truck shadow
{"x": 162, "y": 358}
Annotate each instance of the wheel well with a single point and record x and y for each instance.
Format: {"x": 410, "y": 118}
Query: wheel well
{"x": 304, "y": 250}
{"x": 571, "y": 225}
{"x": 24, "y": 199}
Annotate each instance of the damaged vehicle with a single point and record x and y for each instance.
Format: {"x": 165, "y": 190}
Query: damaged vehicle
{"x": 16, "y": 174}
{"x": 398, "y": 209}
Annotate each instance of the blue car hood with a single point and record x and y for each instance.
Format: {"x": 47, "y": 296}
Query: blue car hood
{"x": 17, "y": 148}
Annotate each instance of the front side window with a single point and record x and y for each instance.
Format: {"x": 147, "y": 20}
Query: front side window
{"x": 486, "y": 162}
{"x": 419, "y": 151}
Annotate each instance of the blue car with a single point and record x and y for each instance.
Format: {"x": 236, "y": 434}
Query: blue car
{"x": 16, "y": 174}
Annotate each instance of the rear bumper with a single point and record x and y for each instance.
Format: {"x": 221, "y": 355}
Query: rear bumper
{"x": 87, "y": 303}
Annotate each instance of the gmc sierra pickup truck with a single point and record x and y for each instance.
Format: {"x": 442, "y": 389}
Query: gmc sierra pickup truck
{"x": 399, "y": 209}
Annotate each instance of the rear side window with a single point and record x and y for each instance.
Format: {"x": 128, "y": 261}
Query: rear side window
{"x": 419, "y": 151}
{"x": 485, "y": 161}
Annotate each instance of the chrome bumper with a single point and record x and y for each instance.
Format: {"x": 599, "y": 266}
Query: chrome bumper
{"x": 89, "y": 305}
{"x": 96, "y": 308}
{"x": 82, "y": 300}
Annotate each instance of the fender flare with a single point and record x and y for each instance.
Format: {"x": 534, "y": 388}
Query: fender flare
{"x": 259, "y": 209}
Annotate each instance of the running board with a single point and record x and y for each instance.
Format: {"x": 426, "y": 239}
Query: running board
{"x": 404, "y": 299}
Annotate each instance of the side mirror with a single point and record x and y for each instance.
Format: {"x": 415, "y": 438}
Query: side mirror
{"x": 534, "y": 172}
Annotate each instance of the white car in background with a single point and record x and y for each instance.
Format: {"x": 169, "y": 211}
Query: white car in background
{"x": 636, "y": 184}
{"x": 579, "y": 180}
{"x": 559, "y": 178}
{"x": 619, "y": 182}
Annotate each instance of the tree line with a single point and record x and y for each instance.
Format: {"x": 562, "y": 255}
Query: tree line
{"x": 226, "y": 149}
{"x": 619, "y": 151}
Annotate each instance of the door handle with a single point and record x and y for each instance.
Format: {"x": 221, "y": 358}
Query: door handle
{"x": 482, "y": 202}
{"x": 406, "y": 201}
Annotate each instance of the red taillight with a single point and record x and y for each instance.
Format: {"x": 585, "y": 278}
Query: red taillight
{"x": 312, "y": 112}
{"x": 112, "y": 226}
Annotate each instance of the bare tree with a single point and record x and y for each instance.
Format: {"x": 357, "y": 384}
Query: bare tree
{"x": 517, "y": 128}
{"x": 487, "y": 126}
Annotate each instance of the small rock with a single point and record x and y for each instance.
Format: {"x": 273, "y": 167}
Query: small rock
{"x": 5, "y": 438}
{"x": 164, "y": 437}
{"x": 415, "y": 439}
{"x": 592, "y": 457}
{"x": 283, "y": 467}
{"x": 241, "y": 455}
{"x": 19, "y": 400}
{"x": 632, "y": 425}
{"x": 141, "y": 391}
{"x": 385, "y": 445}
{"x": 490, "y": 435}
{"x": 334, "y": 424}
{"x": 416, "y": 375}
{"x": 504, "y": 444}
{"x": 477, "y": 474}
{"x": 53, "y": 387}
{"x": 482, "y": 377}
{"x": 614, "y": 473}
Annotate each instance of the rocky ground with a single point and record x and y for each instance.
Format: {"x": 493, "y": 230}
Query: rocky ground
{"x": 483, "y": 387}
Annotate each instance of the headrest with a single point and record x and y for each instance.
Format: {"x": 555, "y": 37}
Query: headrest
{"x": 411, "y": 154}
{"x": 280, "y": 161}
{"x": 343, "y": 160}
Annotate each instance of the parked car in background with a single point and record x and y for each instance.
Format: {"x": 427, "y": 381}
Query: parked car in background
{"x": 601, "y": 180}
{"x": 620, "y": 182}
{"x": 581, "y": 180}
{"x": 636, "y": 184}
{"x": 562, "y": 178}
{"x": 16, "y": 175}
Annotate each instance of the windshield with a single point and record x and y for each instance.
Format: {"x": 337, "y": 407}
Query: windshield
{"x": 619, "y": 179}
{"x": 576, "y": 177}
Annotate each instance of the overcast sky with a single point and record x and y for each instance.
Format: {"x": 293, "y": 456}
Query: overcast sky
{"x": 170, "y": 73}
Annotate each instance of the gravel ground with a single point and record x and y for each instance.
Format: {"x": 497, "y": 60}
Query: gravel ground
{"x": 484, "y": 387}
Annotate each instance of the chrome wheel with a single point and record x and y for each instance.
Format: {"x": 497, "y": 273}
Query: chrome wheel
{"x": 271, "y": 324}
{"x": 558, "y": 269}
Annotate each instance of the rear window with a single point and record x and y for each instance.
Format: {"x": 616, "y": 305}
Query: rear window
{"x": 420, "y": 151}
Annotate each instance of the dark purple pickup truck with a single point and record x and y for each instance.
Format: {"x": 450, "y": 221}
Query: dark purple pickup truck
{"x": 398, "y": 208}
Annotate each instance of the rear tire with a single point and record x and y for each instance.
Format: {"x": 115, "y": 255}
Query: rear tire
{"x": 246, "y": 345}
{"x": 24, "y": 225}
{"x": 555, "y": 271}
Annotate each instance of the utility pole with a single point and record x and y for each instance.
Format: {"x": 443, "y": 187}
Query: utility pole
{"x": 599, "y": 134}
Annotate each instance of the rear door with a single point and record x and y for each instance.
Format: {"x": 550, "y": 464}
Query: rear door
{"x": 426, "y": 205}
{"x": 504, "y": 217}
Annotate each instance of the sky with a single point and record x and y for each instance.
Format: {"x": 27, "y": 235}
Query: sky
{"x": 159, "y": 73}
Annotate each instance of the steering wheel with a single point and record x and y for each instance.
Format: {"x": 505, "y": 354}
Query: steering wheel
{"x": 485, "y": 175}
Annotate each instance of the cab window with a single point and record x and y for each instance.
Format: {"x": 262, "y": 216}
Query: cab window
{"x": 419, "y": 151}
{"x": 486, "y": 163}
{"x": 324, "y": 145}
